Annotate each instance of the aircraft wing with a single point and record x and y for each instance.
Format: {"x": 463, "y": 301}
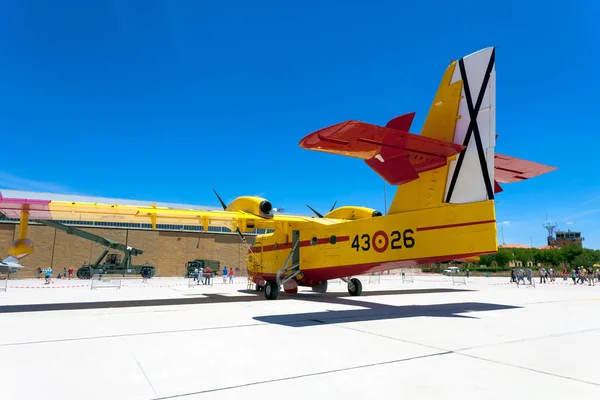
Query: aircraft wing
{"x": 144, "y": 214}
{"x": 509, "y": 169}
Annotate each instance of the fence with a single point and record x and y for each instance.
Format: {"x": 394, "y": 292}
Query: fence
{"x": 527, "y": 283}
{"x": 408, "y": 278}
{"x": 459, "y": 280}
{"x": 105, "y": 283}
{"x": 375, "y": 278}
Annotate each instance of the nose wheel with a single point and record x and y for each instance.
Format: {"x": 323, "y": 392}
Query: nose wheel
{"x": 355, "y": 287}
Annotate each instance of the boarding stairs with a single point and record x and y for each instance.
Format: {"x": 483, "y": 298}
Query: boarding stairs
{"x": 287, "y": 273}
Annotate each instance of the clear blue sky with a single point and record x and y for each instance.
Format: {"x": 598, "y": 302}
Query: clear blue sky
{"x": 164, "y": 100}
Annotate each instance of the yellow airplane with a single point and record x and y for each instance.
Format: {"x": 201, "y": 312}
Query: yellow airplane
{"x": 443, "y": 209}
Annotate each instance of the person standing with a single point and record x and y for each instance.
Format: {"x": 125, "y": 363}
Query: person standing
{"x": 230, "y": 275}
{"x": 70, "y": 272}
{"x": 208, "y": 274}
{"x": 225, "y": 271}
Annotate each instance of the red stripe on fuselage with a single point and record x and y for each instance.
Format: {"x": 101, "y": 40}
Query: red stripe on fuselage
{"x": 303, "y": 243}
{"x": 429, "y": 228}
{"x": 314, "y": 276}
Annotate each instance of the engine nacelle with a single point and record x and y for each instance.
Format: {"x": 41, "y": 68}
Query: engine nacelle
{"x": 252, "y": 205}
{"x": 353, "y": 213}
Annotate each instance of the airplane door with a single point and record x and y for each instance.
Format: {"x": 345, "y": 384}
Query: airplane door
{"x": 332, "y": 251}
{"x": 296, "y": 255}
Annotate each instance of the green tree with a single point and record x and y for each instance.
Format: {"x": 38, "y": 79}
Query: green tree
{"x": 523, "y": 255}
{"x": 503, "y": 257}
{"x": 583, "y": 260}
{"x": 554, "y": 257}
{"x": 487, "y": 260}
{"x": 570, "y": 252}
{"x": 541, "y": 256}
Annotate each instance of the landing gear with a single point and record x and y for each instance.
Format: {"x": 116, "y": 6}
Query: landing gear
{"x": 355, "y": 287}
{"x": 271, "y": 290}
{"x": 320, "y": 288}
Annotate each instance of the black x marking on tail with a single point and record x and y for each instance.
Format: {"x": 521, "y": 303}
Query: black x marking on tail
{"x": 474, "y": 128}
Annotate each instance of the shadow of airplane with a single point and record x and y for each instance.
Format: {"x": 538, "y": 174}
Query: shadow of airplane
{"x": 213, "y": 298}
{"x": 378, "y": 312}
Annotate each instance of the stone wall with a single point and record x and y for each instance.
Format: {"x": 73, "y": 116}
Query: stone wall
{"x": 167, "y": 251}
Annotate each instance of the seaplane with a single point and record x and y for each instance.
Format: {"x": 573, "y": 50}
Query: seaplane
{"x": 447, "y": 177}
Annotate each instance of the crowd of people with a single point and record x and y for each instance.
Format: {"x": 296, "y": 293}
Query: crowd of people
{"x": 580, "y": 275}
{"x": 204, "y": 276}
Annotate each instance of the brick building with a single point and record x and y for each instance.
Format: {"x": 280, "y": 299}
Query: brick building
{"x": 168, "y": 248}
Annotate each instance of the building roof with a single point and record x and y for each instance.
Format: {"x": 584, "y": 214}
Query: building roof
{"x": 514, "y": 246}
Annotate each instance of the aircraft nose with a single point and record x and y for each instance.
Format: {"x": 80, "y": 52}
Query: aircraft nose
{"x": 20, "y": 248}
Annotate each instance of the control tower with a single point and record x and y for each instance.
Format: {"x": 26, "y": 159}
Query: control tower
{"x": 558, "y": 238}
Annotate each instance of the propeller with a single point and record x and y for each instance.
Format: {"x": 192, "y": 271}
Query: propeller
{"x": 239, "y": 232}
{"x": 318, "y": 214}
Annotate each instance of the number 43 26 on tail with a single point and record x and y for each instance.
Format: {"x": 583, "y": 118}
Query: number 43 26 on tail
{"x": 380, "y": 241}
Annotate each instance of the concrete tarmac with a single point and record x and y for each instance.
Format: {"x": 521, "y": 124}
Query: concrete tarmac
{"x": 430, "y": 339}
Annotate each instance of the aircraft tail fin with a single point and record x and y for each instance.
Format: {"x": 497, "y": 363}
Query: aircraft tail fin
{"x": 463, "y": 112}
{"x": 453, "y": 159}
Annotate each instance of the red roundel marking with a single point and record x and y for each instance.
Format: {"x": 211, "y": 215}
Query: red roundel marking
{"x": 380, "y": 241}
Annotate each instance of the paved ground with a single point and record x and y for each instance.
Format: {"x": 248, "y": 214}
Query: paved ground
{"x": 429, "y": 339}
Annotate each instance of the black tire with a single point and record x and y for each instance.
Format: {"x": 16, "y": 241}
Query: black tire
{"x": 84, "y": 273}
{"x": 271, "y": 290}
{"x": 355, "y": 287}
{"x": 320, "y": 288}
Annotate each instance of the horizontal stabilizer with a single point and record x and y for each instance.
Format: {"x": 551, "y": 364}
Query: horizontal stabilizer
{"x": 397, "y": 155}
{"x": 510, "y": 169}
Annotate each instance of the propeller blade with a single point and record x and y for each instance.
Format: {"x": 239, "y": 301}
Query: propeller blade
{"x": 333, "y": 208}
{"x": 221, "y": 200}
{"x": 239, "y": 232}
{"x": 315, "y": 211}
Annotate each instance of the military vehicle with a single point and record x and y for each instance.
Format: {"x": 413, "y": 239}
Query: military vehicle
{"x": 214, "y": 265}
{"x": 114, "y": 263}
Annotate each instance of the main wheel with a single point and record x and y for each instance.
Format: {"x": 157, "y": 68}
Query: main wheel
{"x": 320, "y": 288}
{"x": 271, "y": 290}
{"x": 355, "y": 287}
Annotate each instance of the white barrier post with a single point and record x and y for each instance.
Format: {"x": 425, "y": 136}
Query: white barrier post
{"x": 3, "y": 284}
{"x": 408, "y": 278}
{"x": 375, "y": 278}
{"x": 194, "y": 282}
{"x": 102, "y": 283}
{"x": 458, "y": 280}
